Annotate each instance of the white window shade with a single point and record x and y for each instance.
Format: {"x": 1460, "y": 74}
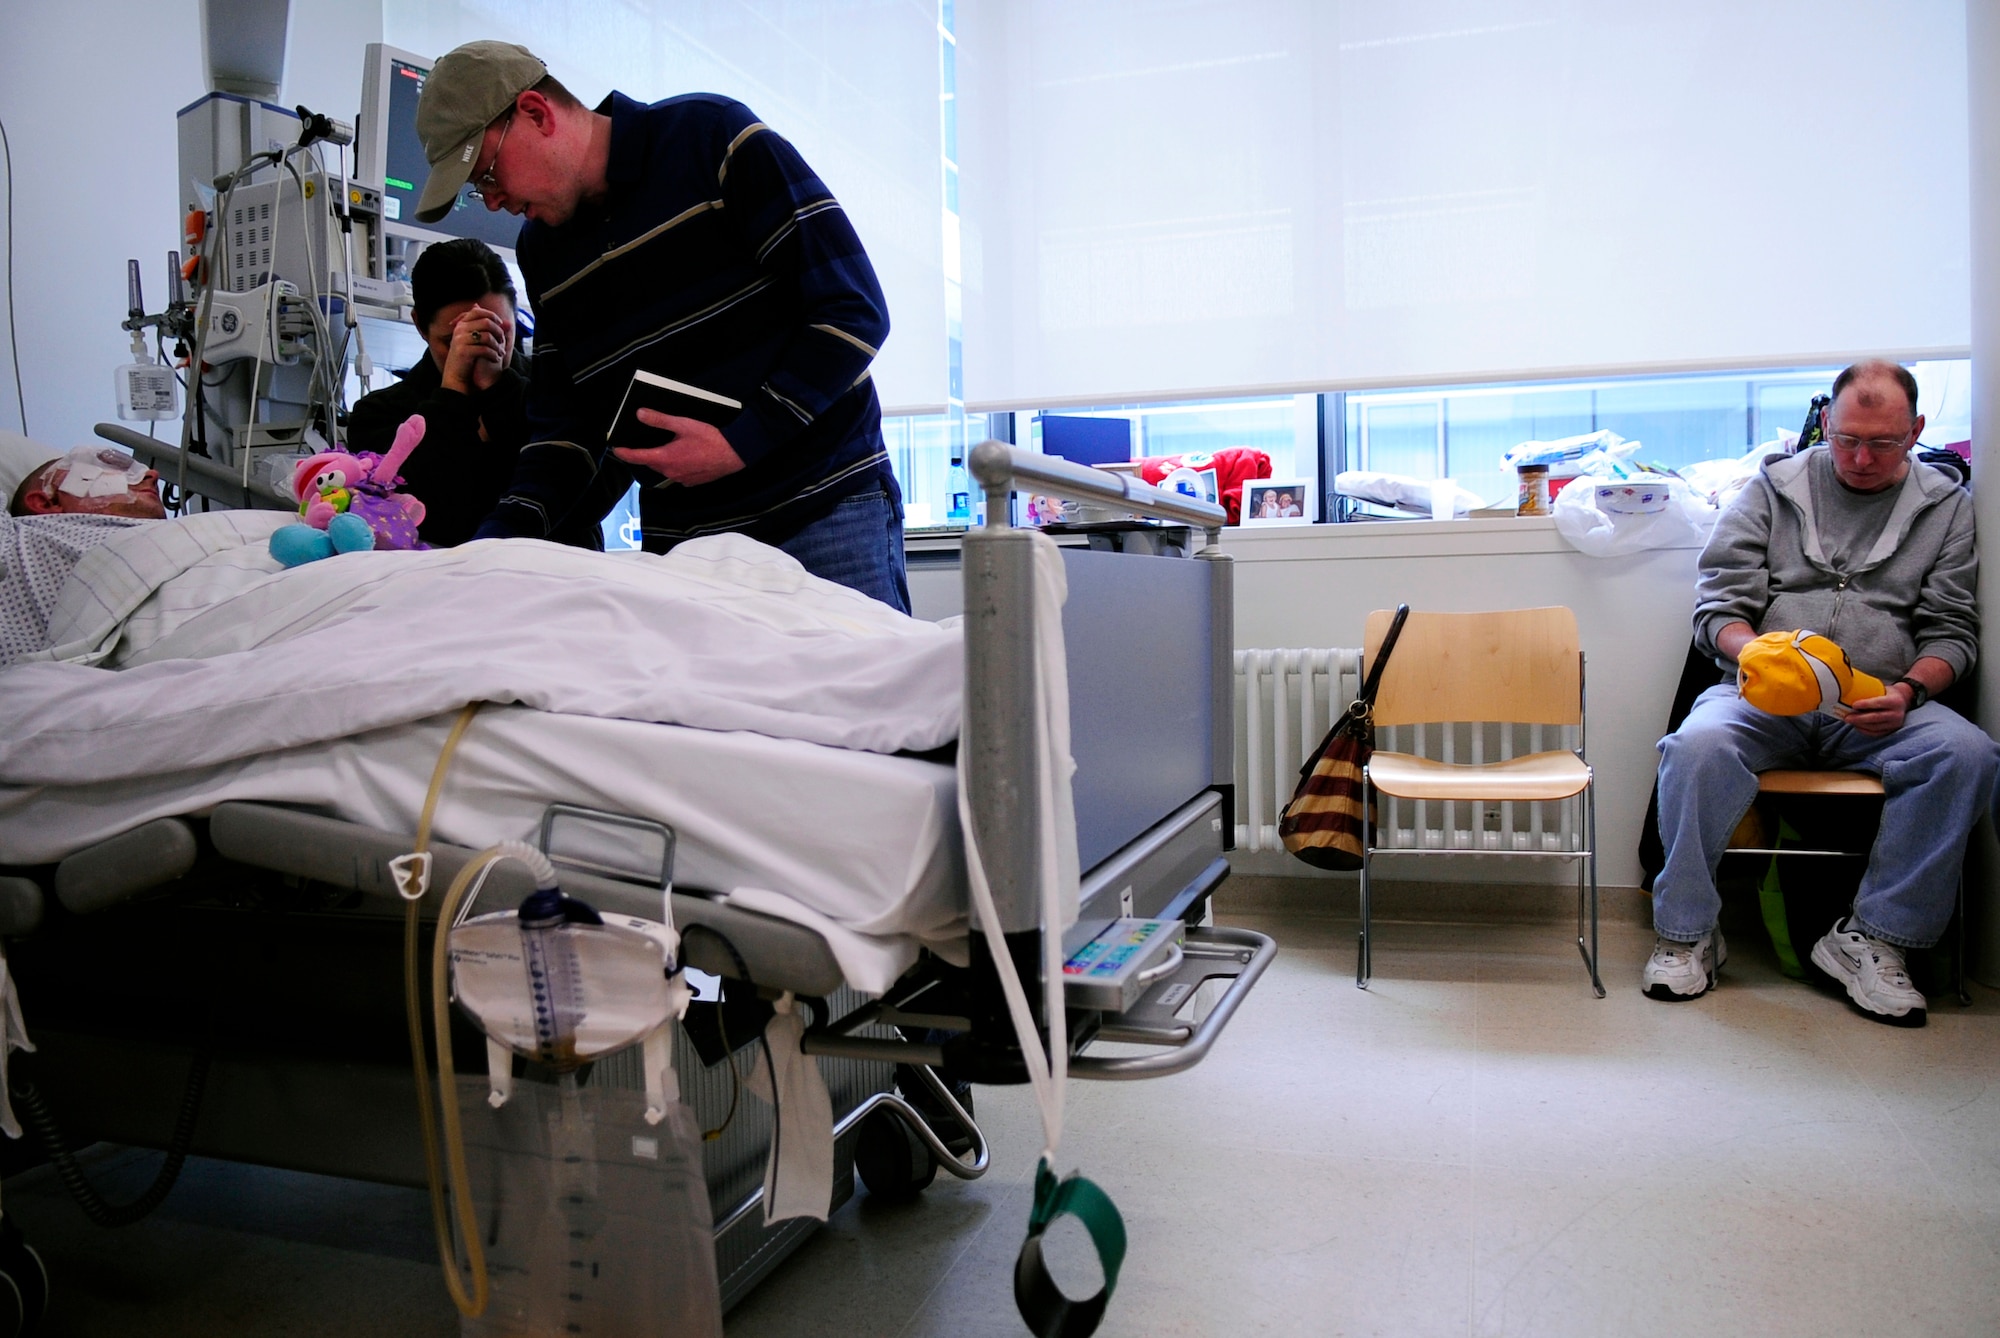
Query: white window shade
{"x": 1178, "y": 197}
{"x": 855, "y": 88}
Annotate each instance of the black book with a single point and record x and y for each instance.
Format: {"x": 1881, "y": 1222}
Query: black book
{"x": 663, "y": 394}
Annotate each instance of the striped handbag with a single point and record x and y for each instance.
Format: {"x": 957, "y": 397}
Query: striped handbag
{"x": 1322, "y": 823}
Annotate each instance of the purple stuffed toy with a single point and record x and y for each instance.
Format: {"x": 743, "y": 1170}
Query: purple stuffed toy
{"x": 348, "y": 502}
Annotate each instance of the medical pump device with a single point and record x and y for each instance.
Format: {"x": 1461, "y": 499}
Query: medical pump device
{"x": 264, "y": 318}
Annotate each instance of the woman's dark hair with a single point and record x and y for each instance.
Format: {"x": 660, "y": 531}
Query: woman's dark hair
{"x": 464, "y": 269}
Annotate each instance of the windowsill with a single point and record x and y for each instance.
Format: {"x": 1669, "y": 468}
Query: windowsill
{"x": 1395, "y": 538}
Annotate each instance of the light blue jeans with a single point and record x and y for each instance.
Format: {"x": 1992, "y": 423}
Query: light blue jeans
{"x": 1937, "y": 775}
{"x": 860, "y": 545}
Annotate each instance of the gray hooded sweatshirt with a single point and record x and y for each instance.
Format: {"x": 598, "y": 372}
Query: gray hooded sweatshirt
{"x": 1914, "y": 593}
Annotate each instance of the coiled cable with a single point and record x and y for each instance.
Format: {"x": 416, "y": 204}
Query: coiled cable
{"x": 35, "y": 1113}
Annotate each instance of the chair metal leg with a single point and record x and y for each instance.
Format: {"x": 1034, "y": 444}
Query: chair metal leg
{"x": 1958, "y": 946}
{"x": 1589, "y": 873}
{"x": 1363, "y": 967}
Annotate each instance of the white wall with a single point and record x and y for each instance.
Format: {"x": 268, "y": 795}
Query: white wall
{"x": 854, "y": 87}
{"x": 88, "y": 92}
{"x": 1316, "y": 586}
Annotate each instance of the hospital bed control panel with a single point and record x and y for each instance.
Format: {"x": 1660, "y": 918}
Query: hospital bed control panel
{"x": 1118, "y": 960}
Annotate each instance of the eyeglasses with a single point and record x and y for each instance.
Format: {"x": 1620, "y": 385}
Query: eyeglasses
{"x": 483, "y": 183}
{"x": 1875, "y": 445}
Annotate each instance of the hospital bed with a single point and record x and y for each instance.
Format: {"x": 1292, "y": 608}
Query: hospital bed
{"x": 225, "y": 982}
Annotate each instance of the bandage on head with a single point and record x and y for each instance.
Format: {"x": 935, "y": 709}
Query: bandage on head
{"x": 99, "y": 471}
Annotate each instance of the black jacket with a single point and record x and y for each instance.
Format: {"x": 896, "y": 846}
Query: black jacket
{"x": 457, "y": 477}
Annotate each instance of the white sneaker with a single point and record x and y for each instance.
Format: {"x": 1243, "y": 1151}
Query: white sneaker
{"x": 1872, "y": 972}
{"x": 1678, "y": 971}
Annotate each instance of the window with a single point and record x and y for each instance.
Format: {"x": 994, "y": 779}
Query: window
{"x": 921, "y": 452}
{"x": 1461, "y": 432}
{"x": 1284, "y": 427}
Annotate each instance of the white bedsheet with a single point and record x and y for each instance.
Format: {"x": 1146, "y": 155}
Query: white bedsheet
{"x": 722, "y": 634}
{"x": 861, "y": 847}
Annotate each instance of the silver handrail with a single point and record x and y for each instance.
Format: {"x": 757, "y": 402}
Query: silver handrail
{"x": 1252, "y": 950}
{"x": 1000, "y": 468}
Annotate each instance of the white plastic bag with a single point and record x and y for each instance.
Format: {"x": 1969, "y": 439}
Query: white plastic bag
{"x": 1721, "y": 480}
{"x": 1685, "y": 522}
{"x": 1419, "y": 496}
{"x": 1567, "y": 450}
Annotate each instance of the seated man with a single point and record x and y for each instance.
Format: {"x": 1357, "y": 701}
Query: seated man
{"x": 1857, "y": 542}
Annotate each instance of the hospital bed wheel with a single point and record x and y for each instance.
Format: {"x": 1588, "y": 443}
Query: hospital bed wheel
{"x": 24, "y": 1283}
{"x": 892, "y": 1161}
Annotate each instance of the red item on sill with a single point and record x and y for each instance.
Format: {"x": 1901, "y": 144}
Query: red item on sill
{"x": 1233, "y": 467}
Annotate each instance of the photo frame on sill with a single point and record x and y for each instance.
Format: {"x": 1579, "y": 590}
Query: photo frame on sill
{"x": 1278, "y": 502}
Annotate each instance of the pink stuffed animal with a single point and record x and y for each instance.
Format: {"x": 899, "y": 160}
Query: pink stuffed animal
{"x": 348, "y": 502}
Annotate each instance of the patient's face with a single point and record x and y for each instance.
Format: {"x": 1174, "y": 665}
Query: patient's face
{"x": 42, "y": 494}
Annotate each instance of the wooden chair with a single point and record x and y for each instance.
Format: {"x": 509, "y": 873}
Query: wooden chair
{"x": 1843, "y": 784}
{"x": 1523, "y": 666}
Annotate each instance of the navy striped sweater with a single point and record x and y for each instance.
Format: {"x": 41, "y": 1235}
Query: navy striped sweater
{"x": 719, "y": 259}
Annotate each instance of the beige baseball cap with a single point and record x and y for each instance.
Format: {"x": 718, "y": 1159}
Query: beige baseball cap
{"x": 467, "y": 90}
{"x": 20, "y": 457}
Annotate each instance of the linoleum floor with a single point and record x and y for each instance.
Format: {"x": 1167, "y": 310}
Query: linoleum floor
{"x": 1474, "y": 1146}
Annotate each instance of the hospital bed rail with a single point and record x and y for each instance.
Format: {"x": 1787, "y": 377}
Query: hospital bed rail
{"x": 997, "y": 737}
{"x": 197, "y": 473}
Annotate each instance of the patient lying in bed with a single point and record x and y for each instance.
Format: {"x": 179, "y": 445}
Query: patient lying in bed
{"x": 59, "y": 507}
{"x": 235, "y": 679}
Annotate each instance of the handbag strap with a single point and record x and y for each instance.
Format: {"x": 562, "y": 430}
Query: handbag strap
{"x": 1382, "y": 655}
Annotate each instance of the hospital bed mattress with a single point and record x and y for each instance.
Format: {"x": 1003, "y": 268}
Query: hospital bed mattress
{"x": 869, "y": 842}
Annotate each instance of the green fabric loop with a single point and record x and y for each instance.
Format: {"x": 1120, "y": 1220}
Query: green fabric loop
{"x": 1047, "y": 1312}
{"x": 1771, "y": 901}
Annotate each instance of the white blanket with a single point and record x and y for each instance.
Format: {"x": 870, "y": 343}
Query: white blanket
{"x": 723, "y": 633}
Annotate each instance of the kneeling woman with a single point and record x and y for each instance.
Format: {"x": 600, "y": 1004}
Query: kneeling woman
{"x": 470, "y": 389}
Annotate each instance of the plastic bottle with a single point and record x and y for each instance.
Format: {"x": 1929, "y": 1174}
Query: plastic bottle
{"x": 146, "y": 390}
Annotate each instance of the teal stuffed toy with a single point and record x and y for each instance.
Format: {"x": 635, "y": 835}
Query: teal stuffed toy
{"x": 296, "y": 545}
{"x": 348, "y": 503}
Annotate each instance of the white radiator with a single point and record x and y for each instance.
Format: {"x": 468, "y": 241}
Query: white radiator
{"x": 1286, "y": 700}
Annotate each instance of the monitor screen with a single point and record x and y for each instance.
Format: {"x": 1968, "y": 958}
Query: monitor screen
{"x": 1087, "y": 441}
{"x": 391, "y": 148}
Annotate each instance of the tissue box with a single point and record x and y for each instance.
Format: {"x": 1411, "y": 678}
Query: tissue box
{"x": 1632, "y": 499}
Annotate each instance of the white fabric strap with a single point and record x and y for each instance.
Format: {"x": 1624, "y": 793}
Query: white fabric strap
{"x": 499, "y": 1073}
{"x": 798, "y": 1177}
{"x": 15, "y": 1038}
{"x": 663, "y": 1085}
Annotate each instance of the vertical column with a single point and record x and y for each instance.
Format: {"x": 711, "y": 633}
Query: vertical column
{"x": 1982, "y": 88}
{"x": 997, "y": 737}
{"x": 959, "y": 501}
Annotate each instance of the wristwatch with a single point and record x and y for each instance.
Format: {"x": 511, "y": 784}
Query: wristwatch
{"x": 1919, "y": 693}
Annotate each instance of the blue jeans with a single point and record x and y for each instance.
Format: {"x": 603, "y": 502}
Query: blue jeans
{"x": 1937, "y": 775}
{"x": 858, "y": 544}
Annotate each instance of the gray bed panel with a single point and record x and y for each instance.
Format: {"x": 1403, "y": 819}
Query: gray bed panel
{"x": 1136, "y": 631}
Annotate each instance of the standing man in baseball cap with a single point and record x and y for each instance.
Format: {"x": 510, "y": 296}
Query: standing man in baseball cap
{"x": 687, "y": 239}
